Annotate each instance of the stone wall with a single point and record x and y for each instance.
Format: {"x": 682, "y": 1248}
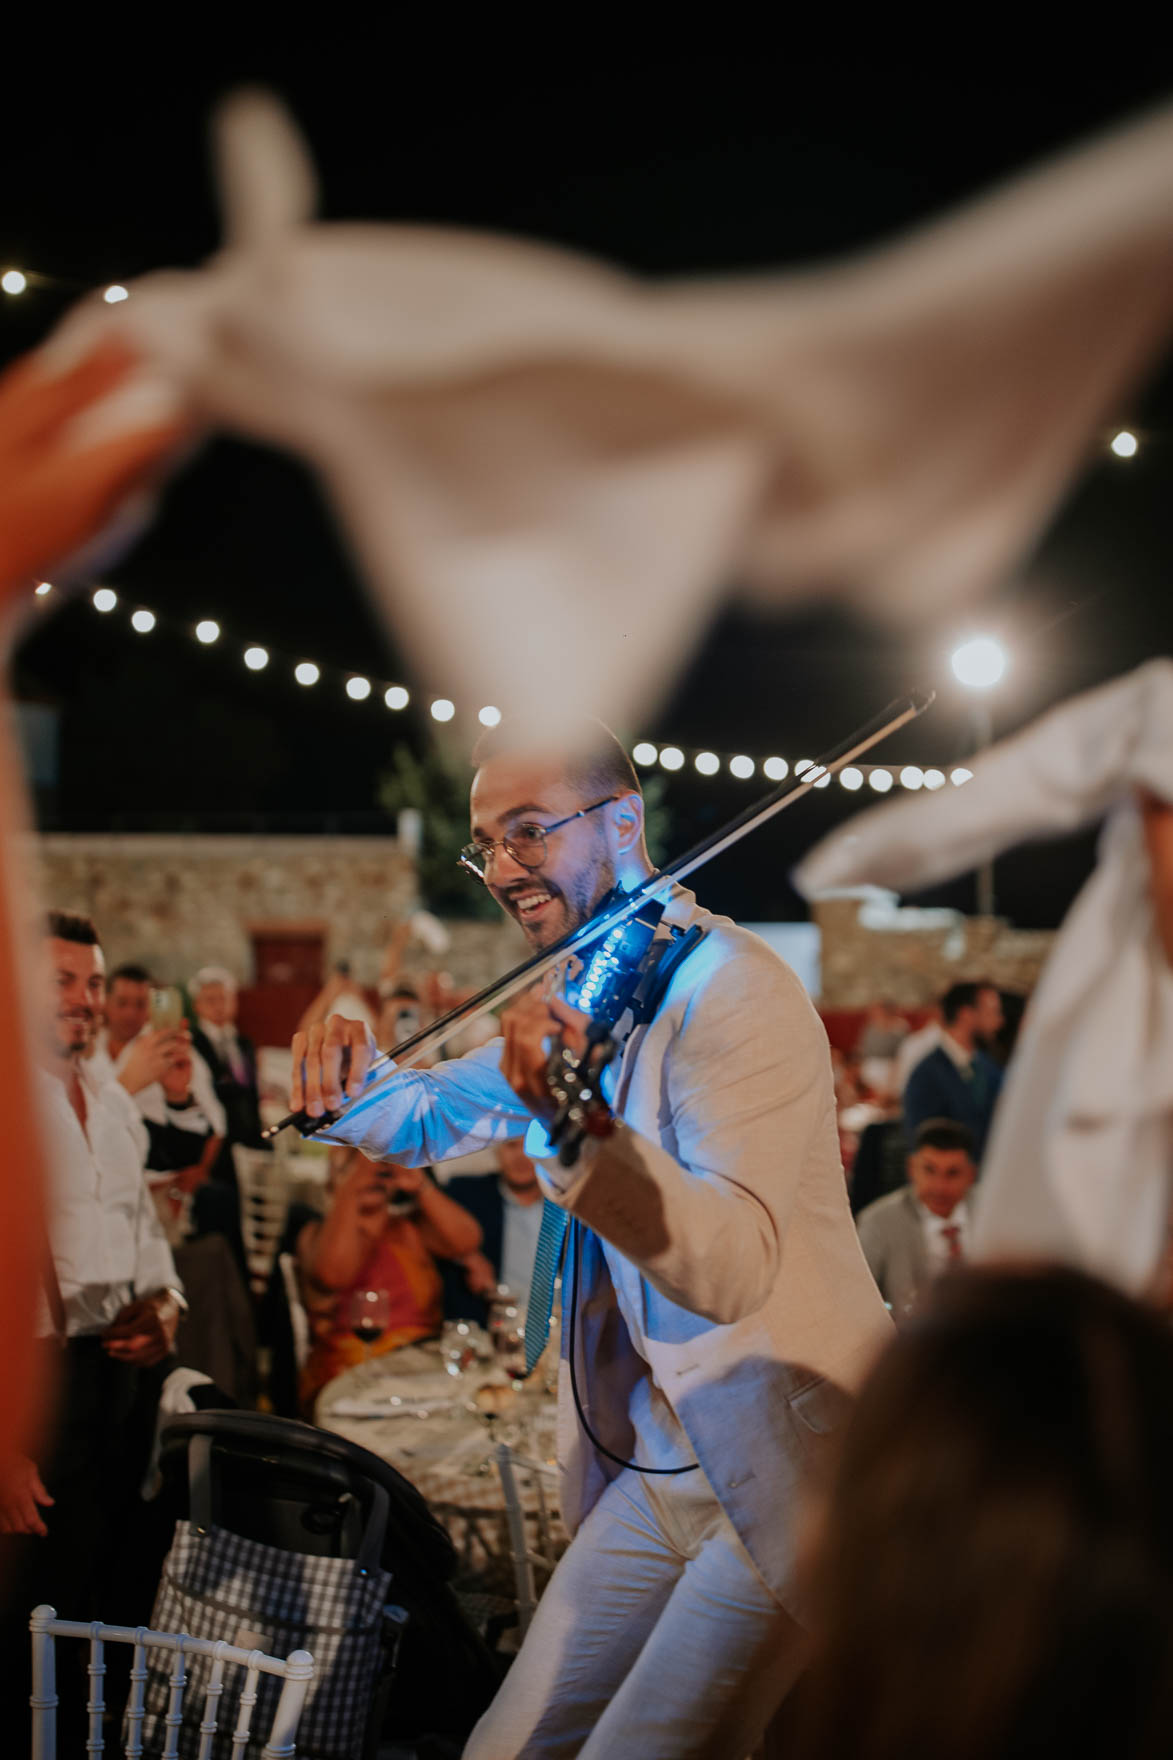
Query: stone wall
{"x": 177, "y": 903}
{"x": 872, "y": 947}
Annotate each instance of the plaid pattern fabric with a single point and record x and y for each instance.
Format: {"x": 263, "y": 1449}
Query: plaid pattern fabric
{"x": 218, "y": 1585}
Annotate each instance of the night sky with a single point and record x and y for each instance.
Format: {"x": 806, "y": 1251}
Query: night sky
{"x": 692, "y": 160}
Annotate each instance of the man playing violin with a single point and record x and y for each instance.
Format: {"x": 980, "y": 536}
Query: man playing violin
{"x": 722, "y": 1309}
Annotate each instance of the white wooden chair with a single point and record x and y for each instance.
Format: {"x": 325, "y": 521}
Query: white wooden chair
{"x": 263, "y": 1182}
{"x": 299, "y": 1320}
{"x": 512, "y": 1467}
{"x": 295, "y": 1670}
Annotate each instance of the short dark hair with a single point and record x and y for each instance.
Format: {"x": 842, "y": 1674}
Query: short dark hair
{"x": 959, "y": 996}
{"x": 71, "y": 926}
{"x": 595, "y": 761}
{"x": 131, "y": 973}
{"x": 943, "y": 1133}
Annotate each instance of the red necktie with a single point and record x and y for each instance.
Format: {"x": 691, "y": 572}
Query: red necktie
{"x": 951, "y": 1235}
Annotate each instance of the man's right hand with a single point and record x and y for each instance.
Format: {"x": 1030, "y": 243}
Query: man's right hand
{"x": 21, "y": 1491}
{"x": 152, "y": 1056}
{"x": 318, "y": 1085}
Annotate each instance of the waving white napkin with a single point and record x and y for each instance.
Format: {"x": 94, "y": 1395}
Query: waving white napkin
{"x": 1079, "y": 1159}
{"x": 549, "y": 470}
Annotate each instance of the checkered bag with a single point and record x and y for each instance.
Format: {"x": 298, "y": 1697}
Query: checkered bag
{"x": 218, "y": 1585}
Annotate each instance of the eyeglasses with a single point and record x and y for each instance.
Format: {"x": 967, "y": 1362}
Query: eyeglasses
{"x": 526, "y": 843}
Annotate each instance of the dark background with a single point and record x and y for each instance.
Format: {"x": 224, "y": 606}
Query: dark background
{"x": 692, "y": 158}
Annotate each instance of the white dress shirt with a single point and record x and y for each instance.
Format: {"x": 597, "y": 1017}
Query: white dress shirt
{"x": 104, "y": 1235}
{"x": 959, "y": 1057}
{"x": 151, "y": 1101}
{"x": 226, "y": 1040}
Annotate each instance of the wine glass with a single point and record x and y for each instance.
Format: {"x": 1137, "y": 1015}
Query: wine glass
{"x": 370, "y": 1316}
{"x": 507, "y": 1331}
{"x": 457, "y": 1347}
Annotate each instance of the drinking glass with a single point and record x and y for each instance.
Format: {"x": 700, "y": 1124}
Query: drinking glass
{"x": 370, "y": 1316}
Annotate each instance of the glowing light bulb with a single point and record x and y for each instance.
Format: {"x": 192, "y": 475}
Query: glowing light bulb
{"x": 912, "y": 776}
{"x": 489, "y": 716}
{"x": 671, "y": 758}
{"x": 708, "y": 763}
{"x": 644, "y": 753}
{"x": 12, "y": 281}
{"x": 256, "y": 659}
{"x": 851, "y": 778}
{"x": 143, "y": 621}
{"x": 803, "y": 765}
{"x": 396, "y": 697}
{"x": 824, "y": 779}
{"x": 43, "y": 588}
{"x": 207, "y": 631}
{"x": 105, "y": 599}
{"x": 305, "y": 672}
{"x": 741, "y": 767}
{"x": 880, "y": 780}
{"x": 1125, "y": 444}
{"x": 979, "y": 663}
{"x": 777, "y": 769}
{"x": 960, "y": 775}
{"x": 443, "y": 709}
{"x": 114, "y": 294}
{"x": 358, "y": 689}
{"x": 934, "y": 779}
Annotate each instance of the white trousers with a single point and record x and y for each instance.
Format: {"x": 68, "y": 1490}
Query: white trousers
{"x": 655, "y": 1639}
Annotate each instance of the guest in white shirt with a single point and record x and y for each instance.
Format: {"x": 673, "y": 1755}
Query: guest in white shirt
{"x": 127, "y": 1012}
{"x": 912, "y": 1235}
{"x": 110, "y": 1309}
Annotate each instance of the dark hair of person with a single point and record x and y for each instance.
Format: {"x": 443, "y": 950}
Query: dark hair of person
{"x": 595, "y": 762}
{"x": 995, "y": 1579}
{"x": 133, "y": 974}
{"x": 70, "y": 926}
{"x": 944, "y": 1133}
{"x": 959, "y": 996}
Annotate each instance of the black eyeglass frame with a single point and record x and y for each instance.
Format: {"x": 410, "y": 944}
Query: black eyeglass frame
{"x": 485, "y": 850}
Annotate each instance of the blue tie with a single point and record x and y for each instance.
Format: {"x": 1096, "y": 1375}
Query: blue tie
{"x": 541, "y": 1290}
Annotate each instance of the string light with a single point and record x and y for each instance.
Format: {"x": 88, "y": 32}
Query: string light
{"x": 1125, "y": 444}
{"x": 114, "y": 295}
{"x": 644, "y": 753}
{"x": 12, "y": 281}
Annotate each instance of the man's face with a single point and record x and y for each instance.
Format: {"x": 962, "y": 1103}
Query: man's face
{"x": 517, "y": 1170}
{"x": 988, "y": 1016}
{"x": 216, "y": 1003}
{"x": 76, "y": 982}
{"x": 578, "y": 870}
{"x": 940, "y": 1178}
{"x": 127, "y": 1007}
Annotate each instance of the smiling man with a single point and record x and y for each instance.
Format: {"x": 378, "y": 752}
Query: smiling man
{"x": 715, "y": 1296}
{"x": 911, "y": 1235}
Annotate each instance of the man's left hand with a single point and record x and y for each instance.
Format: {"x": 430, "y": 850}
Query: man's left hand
{"x": 143, "y": 1333}
{"x": 531, "y": 1026}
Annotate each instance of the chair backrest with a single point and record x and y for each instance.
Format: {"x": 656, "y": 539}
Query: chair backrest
{"x": 295, "y": 1670}
{"x": 514, "y": 1468}
{"x": 299, "y": 1320}
{"x": 264, "y": 1185}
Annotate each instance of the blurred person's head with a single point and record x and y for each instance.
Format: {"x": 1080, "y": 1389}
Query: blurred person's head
{"x": 972, "y": 1013}
{"x": 401, "y": 1013}
{"x": 941, "y": 1167}
{"x": 75, "y": 979}
{"x": 993, "y": 1575}
{"x": 213, "y": 995}
{"x": 517, "y": 1170}
{"x": 590, "y": 791}
{"x": 128, "y": 1002}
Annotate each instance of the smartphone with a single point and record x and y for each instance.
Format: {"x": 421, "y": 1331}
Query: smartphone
{"x": 166, "y": 1009}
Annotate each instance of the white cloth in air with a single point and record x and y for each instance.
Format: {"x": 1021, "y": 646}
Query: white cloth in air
{"x": 1079, "y": 1158}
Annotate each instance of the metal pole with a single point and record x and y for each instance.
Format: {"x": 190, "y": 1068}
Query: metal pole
{"x": 983, "y": 734}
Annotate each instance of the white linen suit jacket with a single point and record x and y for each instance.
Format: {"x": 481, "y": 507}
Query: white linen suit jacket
{"x": 724, "y": 1186}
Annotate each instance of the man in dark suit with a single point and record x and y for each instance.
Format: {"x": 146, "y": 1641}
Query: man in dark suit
{"x": 959, "y": 1080}
{"x": 508, "y": 1206}
{"x": 232, "y": 1059}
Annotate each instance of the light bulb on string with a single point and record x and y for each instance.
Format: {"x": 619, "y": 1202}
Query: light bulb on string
{"x": 143, "y": 621}
{"x": 396, "y": 697}
{"x": 358, "y": 689}
{"x": 207, "y": 631}
{"x": 256, "y": 659}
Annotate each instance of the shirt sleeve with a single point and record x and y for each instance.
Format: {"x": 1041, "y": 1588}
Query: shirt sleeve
{"x": 421, "y": 1117}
